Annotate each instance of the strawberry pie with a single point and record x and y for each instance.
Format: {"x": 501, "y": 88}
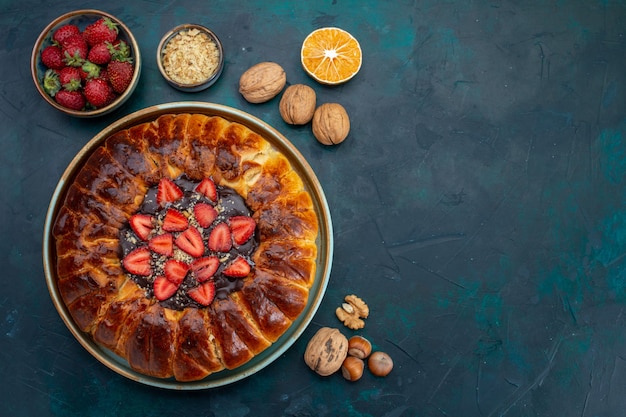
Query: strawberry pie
{"x": 186, "y": 245}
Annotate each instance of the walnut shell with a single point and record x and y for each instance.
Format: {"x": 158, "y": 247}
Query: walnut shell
{"x": 297, "y": 104}
{"x": 262, "y": 82}
{"x": 326, "y": 351}
{"x": 331, "y": 124}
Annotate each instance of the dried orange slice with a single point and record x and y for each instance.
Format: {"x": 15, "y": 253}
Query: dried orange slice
{"x": 331, "y": 55}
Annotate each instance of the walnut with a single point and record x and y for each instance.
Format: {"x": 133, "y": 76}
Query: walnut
{"x": 331, "y": 124}
{"x": 352, "y": 312}
{"x": 326, "y": 351}
{"x": 297, "y": 104}
{"x": 262, "y": 82}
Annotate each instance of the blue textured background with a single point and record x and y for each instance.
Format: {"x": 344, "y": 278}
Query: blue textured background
{"x": 478, "y": 205}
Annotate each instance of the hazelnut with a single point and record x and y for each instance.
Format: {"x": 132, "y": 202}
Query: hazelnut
{"x": 380, "y": 364}
{"x": 359, "y": 347}
{"x": 331, "y": 124}
{"x": 262, "y": 82}
{"x": 297, "y": 104}
{"x": 352, "y": 368}
{"x": 326, "y": 351}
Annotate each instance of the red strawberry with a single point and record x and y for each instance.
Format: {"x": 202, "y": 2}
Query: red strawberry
{"x": 102, "y": 30}
{"x": 75, "y": 50}
{"x": 205, "y": 214}
{"x": 71, "y": 99}
{"x": 141, "y": 225}
{"x": 100, "y": 54}
{"x": 207, "y": 187}
{"x": 120, "y": 74}
{"x": 168, "y": 192}
{"x": 174, "y": 221}
{"x": 191, "y": 242}
{"x": 175, "y": 271}
{"x": 162, "y": 244}
{"x": 205, "y": 268}
{"x": 70, "y": 78}
{"x": 242, "y": 228}
{"x": 220, "y": 239}
{"x": 63, "y": 32}
{"x": 98, "y": 92}
{"x": 238, "y": 268}
{"x": 203, "y": 294}
{"x": 163, "y": 288}
{"x": 52, "y": 57}
{"x": 138, "y": 261}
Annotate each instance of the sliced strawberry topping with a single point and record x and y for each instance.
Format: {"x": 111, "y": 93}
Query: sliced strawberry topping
{"x": 162, "y": 244}
{"x": 205, "y": 214}
{"x": 238, "y": 268}
{"x": 204, "y": 293}
{"x": 163, "y": 288}
{"x": 168, "y": 192}
{"x": 175, "y": 271}
{"x": 207, "y": 187}
{"x": 242, "y": 228}
{"x": 138, "y": 262}
{"x": 191, "y": 242}
{"x": 175, "y": 221}
{"x": 220, "y": 239}
{"x": 205, "y": 268}
{"x": 141, "y": 225}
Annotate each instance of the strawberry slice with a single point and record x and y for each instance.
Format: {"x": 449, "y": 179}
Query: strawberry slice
{"x": 220, "y": 239}
{"x": 168, "y": 192}
{"x": 141, "y": 225}
{"x": 207, "y": 187}
{"x": 203, "y": 294}
{"x": 175, "y": 271}
{"x": 138, "y": 262}
{"x": 163, "y": 288}
{"x": 242, "y": 228}
{"x": 174, "y": 221}
{"x": 238, "y": 268}
{"x": 205, "y": 214}
{"x": 162, "y": 244}
{"x": 204, "y": 268}
{"x": 191, "y": 242}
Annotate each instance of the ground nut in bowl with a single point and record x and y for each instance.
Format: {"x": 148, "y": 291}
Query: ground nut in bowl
{"x": 190, "y": 57}
{"x": 47, "y": 79}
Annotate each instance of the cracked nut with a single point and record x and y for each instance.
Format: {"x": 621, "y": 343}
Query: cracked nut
{"x": 326, "y": 351}
{"x": 352, "y": 312}
{"x": 297, "y": 104}
{"x": 262, "y": 82}
{"x": 331, "y": 124}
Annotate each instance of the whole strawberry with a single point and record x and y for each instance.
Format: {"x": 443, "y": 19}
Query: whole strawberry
{"x": 102, "y": 30}
{"x": 52, "y": 57}
{"x": 120, "y": 73}
{"x": 75, "y": 50}
{"x": 51, "y": 83}
{"x": 100, "y": 54}
{"x": 98, "y": 92}
{"x": 70, "y": 78}
{"x": 71, "y": 99}
{"x": 63, "y": 32}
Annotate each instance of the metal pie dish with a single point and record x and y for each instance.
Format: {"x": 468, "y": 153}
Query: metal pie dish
{"x": 82, "y": 18}
{"x": 191, "y": 87}
{"x": 324, "y": 244}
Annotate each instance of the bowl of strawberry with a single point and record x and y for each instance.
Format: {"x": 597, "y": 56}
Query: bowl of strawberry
{"x": 86, "y": 63}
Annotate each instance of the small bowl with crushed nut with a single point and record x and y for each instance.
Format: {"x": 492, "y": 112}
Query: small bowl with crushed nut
{"x": 190, "y": 57}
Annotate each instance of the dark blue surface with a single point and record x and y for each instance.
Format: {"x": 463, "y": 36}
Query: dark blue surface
{"x": 478, "y": 206}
